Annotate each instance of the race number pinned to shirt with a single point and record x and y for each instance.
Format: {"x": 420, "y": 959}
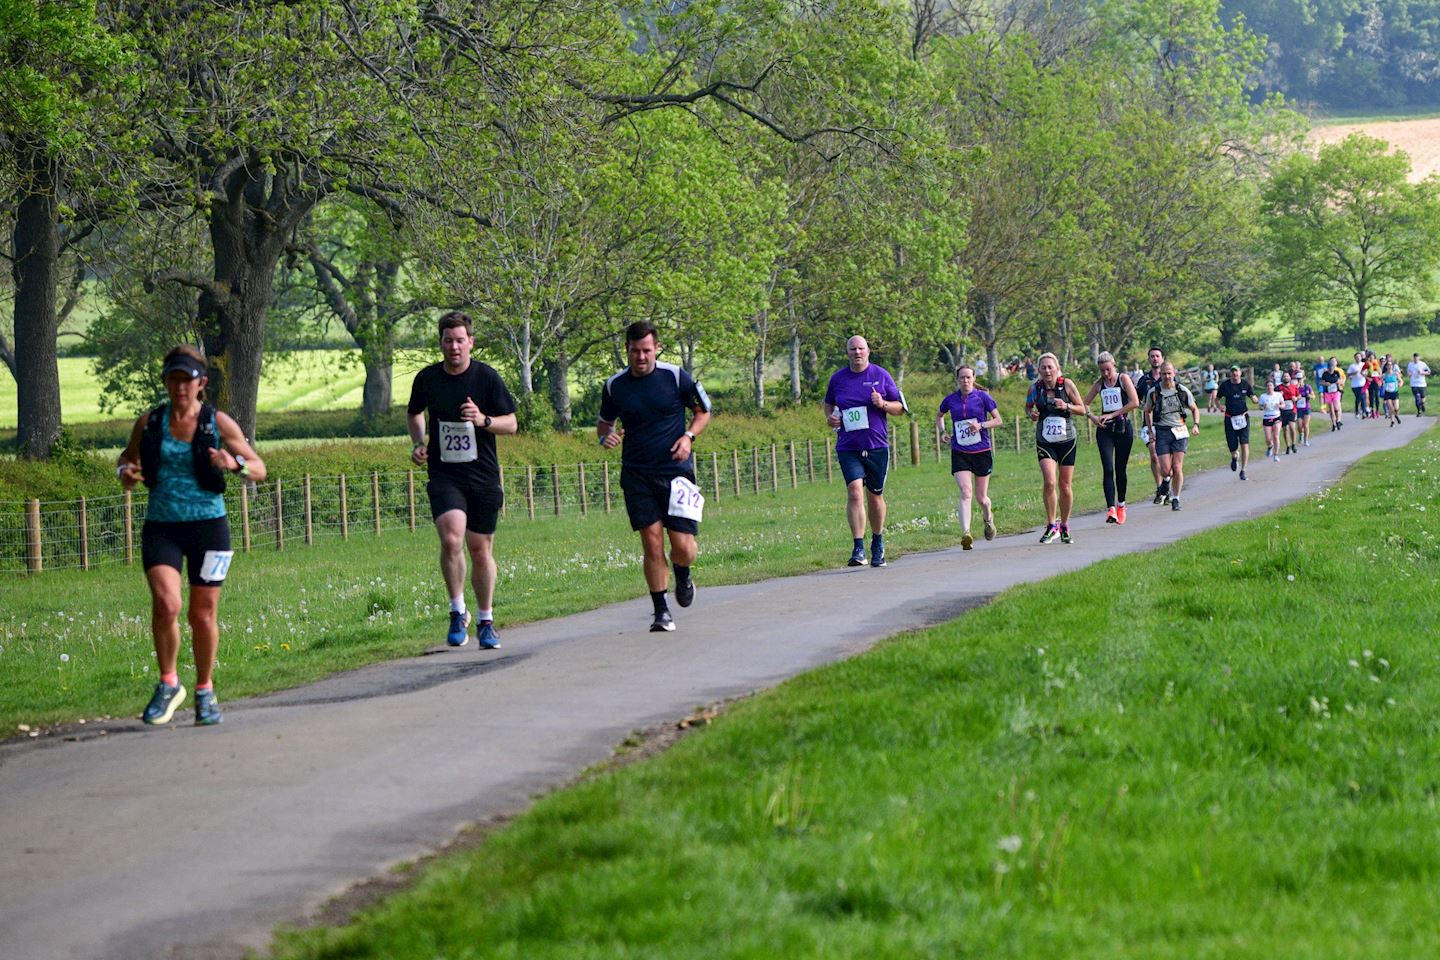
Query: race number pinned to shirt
{"x": 855, "y": 418}
{"x": 215, "y": 565}
{"x": 1144, "y": 434}
{"x": 686, "y": 500}
{"x": 1180, "y": 433}
{"x": 967, "y": 432}
{"x": 1240, "y": 421}
{"x": 1286, "y": 405}
{"x": 457, "y": 441}
{"x": 1110, "y": 399}
{"x": 1052, "y": 429}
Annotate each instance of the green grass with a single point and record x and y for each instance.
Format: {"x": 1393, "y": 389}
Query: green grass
{"x": 340, "y": 604}
{"x": 1230, "y": 754}
{"x": 1340, "y": 117}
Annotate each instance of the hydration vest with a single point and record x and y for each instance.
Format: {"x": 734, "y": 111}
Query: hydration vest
{"x": 207, "y": 437}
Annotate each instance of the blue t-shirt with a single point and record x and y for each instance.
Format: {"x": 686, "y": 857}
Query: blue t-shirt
{"x": 975, "y": 405}
{"x": 652, "y": 408}
{"x": 177, "y": 496}
{"x": 863, "y": 426}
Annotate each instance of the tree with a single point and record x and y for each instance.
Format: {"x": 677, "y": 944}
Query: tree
{"x": 1347, "y": 228}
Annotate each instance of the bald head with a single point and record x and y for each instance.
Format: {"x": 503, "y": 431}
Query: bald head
{"x": 858, "y": 350}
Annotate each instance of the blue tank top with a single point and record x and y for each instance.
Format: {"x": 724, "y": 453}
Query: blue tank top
{"x": 176, "y": 496}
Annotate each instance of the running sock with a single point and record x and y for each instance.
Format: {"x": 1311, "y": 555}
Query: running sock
{"x": 170, "y": 679}
{"x": 483, "y": 616}
{"x": 457, "y": 604}
{"x": 876, "y": 542}
{"x": 859, "y": 543}
{"x": 657, "y": 597}
{"x": 682, "y": 574}
{"x": 205, "y": 686}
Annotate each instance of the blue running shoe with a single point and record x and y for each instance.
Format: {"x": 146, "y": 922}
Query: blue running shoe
{"x": 459, "y": 629}
{"x": 486, "y": 636}
{"x": 877, "y": 552}
{"x": 163, "y": 703}
{"x": 857, "y": 558}
{"x": 207, "y": 708}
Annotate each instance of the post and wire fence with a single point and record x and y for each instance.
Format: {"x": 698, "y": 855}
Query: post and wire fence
{"x": 292, "y": 512}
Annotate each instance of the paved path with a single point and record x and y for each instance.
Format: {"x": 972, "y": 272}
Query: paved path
{"x": 301, "y": 794}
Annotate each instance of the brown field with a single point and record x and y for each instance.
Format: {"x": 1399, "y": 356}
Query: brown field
{"x": 1419, "y": 138}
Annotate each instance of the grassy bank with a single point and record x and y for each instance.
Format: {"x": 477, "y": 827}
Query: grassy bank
{"x": 1226, "y": 754}
{"x": 77, "y": 644}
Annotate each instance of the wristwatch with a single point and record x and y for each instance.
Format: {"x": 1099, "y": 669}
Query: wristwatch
{"x": 240, "y": 466}
{"x": 487, "y": 422}
{"x": 690, "y": 435}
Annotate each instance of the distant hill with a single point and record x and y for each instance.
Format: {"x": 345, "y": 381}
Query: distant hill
{"x": 1365, "y": 55}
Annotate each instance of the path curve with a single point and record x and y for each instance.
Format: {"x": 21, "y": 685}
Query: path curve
{"x": 178, "y": 842}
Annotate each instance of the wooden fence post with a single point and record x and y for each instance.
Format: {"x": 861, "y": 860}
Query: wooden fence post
{"x": 810, "y": 459}
{"x": 130, "y": 528}
{"x": 245, "y": 517}
{"x": 84, "y": 537}
{"x": 914, "y": 443}
{"x": 774, "y": 469}
{"x": 735, "y": 460}
{"x": 375, "y": 497}
{"x": 794, "y": 478}
{"x": 1017, "y": 434}
{"x": 410, "y": 493}
{"x": 530, "y": 491}
{"x": 555, "y": 486}
{"x": 715, "y": 472}
{"x": 584, "y": 506}
{"x": 606, "y": 471}
{"x": 829, "y": 465}
{"x": 309, "y": 513}
{"x": 279, "y": 516}
{"x": 755, "y": 467}
{"x": 34, "y": 559}
{"x": 344, "y": 509}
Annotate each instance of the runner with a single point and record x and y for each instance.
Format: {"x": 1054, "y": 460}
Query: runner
{"x": 859, "y": 401}
{"x": 1358, "y": 382}
{"x": 462, "y": 405}
{"x": 1418, "y": 371}
{"x": 1050, "y": 404}
{"x": 1270, "y": 402}
{"x": 1166, "y": 410}
{"x": 1330, "y": 382}
{"x": 657, "y": 467}
{"x": 1210, "y": 381}
{"x": 1318, "y": 370}
{"x": 182, "y": 450}
{"x": 1304, "y": 401}
{"x": 974, "y": 414}
{"x": 1372, "y": 383}
{"x": 1275, "y": 375}
{"x": 1149, "y": 381}
{"x": 1114, "y": 435}
{"x": 1390, "y": 391}
{"x": 1288, "y": 392}
{"x": 1237, "y": 419}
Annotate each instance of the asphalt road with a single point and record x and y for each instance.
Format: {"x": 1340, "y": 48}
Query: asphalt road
{"x": 193, "y": 842}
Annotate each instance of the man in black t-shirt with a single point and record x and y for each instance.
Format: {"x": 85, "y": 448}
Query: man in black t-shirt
{"x": 462, "y": 404}
{"x": 1237, "y": 418}
{"x": 657, "y": 468}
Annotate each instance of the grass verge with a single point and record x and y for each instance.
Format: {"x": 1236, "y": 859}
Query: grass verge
{"x": 1229, "y": 753}
{"x": 76, "y": 644}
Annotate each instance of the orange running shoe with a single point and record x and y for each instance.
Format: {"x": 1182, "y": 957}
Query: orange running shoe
{"x": 1120, "y": 513}
{"x": 1110, "y": 515}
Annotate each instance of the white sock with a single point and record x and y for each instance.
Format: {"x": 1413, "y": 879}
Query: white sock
{"x": 482, "y": 615}
{"x": 457, "y": 604}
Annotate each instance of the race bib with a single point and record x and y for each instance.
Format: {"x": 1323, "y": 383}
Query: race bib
{"x": 457, "y": 441}
{"x": 855, "y": 418}
{"x": 1240, "y": 421}
{"x": 1144, "y": 434}
{"x": 1110, "y": 399}
{"x": 967, "y": 433}
{"x": 1286, "y": 405}
{"x": 215, "y": 565}
{"x": 1180, "y": 433}
{"x": 1301, "y": 403}
{"x": 1052, "y": 429}
{"x": 686, "y": 500}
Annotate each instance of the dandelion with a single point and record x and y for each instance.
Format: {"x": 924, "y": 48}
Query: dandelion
{"x": 1290, "y": 577}
{"x": 1009, "y": 844}
{"x": 64, "y": 658}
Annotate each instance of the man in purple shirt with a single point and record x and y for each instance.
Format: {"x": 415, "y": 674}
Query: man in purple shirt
{"x": 858, "y": 403}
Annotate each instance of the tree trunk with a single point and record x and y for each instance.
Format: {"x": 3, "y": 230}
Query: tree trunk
{"x": 1361, "y": 312}
{"x": 984, "y": 307}
{"x": 557, "y": 374}
{"x": 762, "y": 323}
{"x": 796, "y": 386}
{"x": 379, "y": 387}
{"x": 36, "y": 273}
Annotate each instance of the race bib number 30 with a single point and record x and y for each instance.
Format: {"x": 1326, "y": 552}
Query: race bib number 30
{"x": 967, "y": 433}
{"x": 855, "y": 418}
{"x": 457, "y": 441}
{"x": 215, "y": 565}
{"x": 686, "y": 500}
{"x": 1053, "y": 429}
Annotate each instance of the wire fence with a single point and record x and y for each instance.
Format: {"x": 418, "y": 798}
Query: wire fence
{"x": 290, "y": 512}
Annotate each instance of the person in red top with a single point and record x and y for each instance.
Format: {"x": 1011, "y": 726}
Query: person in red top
{"x": 1289, "y": 391}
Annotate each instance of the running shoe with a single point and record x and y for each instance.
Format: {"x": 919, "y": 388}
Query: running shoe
{"x": 1158, "y": 495}
{"x": 163, "y": 703}
{"x": 1051, "y": 529}
{"x": 967, "y": 542}
{"x": 877, "y": 552}
{"x": 1165, "y": 500}
{"x": 207, "y": 708}
{"x": 486, "y": 636}
{"x": 459, "y": 629}
{"x": 1065, "y": 534}
{"x": 1306, "y": 442}
{"x": 1234, "y": 464}
{"x": 1174, "y": 503}
{"x": 989, "y": 528}
{"x": 1242, "y": 474}
{"x": 1110, "y": 516}
{"x": 685, "y": 592}
{"x": 857, "y": 559}
{"x": 663, "y": 623}
{"x": 1120, "y": 513}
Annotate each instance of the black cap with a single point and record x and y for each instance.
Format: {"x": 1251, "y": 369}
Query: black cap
{"x": 186, "y": 364}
